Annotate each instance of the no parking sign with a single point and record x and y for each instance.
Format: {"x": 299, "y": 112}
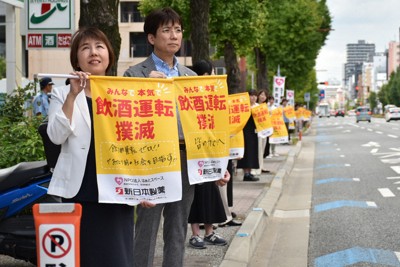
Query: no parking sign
{"x": 57, "y": 234}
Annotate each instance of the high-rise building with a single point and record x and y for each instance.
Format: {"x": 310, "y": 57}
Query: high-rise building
{"x": 357, "y": 54}
{"x": 393, "y": 57}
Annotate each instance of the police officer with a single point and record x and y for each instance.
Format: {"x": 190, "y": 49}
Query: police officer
{"x": 41, "y": 100}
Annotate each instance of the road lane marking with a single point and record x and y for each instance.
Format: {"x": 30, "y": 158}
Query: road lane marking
{"x": 373, "y": 151}
{"x": 344, "y": 203}
{"x": 379, "y": 132}
{"x": 386, "y": 192}
{"x": 333, "y": 180}
{"x": 396, "y": 169}
{"x": 356, "y": 255}
{"x": 393, "y": 136}
{"x": 371, "y": 144}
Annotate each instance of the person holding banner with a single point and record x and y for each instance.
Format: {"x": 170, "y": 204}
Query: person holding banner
{"x": 207, "y": 206}
{"x": 250, "y": 157}
{"x": 270, "y": 148}
{"x": 164, "y": 31}
{"x": 284, "y": 103}
{"x": 106, "y": 230}
{"x": 262, "y": 97}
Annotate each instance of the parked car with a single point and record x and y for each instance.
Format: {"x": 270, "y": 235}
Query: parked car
{"x": 392, "y": 113}
{"x": 363, "y": 114}
{"x": 339, "y": 113}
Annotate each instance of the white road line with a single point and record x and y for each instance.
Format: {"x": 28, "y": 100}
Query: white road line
{"x": 385, "y": 192}
{"x": 393, "y": 136}
{"x": 397, "y": 255}
{"x": 369, "y": 130}
{"x": 396, "y": 169}
{"x": 379, "y": 132}
{"x": 373, "y": 151}
{"x": 347, "y": 165}
{"x": 393, "y": 177}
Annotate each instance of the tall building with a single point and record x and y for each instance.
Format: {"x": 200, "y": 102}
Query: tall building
{"x": 393, "y": 57}
{"x": 357, "y": 54}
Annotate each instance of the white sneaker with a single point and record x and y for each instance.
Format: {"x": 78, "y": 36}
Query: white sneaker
{"x": 276, "y": 155}
{"x": 269, "y": 156}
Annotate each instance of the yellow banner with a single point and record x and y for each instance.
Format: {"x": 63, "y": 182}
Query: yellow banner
{"x": 262, "y": 119}
{"x": 289, "y": 113}
{"x": 237, "y": 146}
{"x": 239, "y": 111}
{"x": 136, "y": 139}
{"x": 307, "y": 114}
{"x": 203, "y": 107}
{"x": 280, "y": 134}
{"x": 299, "y": 113}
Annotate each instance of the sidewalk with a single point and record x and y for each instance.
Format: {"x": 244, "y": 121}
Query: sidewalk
{"x": 263, "y": 194}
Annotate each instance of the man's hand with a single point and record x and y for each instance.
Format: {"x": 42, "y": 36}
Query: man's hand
{"x": 157, "y": 74}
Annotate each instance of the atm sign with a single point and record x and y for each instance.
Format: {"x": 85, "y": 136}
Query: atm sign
{"x": 49, "y": 40}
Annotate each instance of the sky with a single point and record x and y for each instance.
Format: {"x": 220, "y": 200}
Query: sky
{"x": 375, "y": 21}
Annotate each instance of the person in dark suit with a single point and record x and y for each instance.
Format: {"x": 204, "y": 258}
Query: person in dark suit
{"x": 164, "y": 31}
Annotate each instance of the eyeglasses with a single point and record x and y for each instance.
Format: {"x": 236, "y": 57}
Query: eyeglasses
{"x": 169, "y": 30}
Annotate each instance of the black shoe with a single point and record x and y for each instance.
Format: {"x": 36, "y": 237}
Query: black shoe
{"x": 265, "y": 171}
{"x": 248, "y": 177}
{"x": 233, "y": 215}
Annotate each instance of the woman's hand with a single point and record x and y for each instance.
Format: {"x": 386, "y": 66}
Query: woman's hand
{"x": 223, "y": 181}
{"x": 147, "y": 204}
{"x": 77, "y": 85}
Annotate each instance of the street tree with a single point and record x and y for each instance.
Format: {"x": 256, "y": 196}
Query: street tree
{"x": 294, "y": 34}
{"x": 104, "y": 15}
{"x": 235, "y": 30}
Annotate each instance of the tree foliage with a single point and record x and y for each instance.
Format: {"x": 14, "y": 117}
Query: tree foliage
{"x": 390, "y": 92}
{"x": 296, "y": 31}
{"x": 19, "y": 137}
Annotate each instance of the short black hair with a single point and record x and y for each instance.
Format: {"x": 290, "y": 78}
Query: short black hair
{"x": 252, "y": 92}
{"x": 160, "y": 17}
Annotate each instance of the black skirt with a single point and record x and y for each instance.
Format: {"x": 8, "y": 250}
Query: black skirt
{"x": 106, "y": 235}
{"x": 250, "y": 157}
{"x": 207, "y": 206}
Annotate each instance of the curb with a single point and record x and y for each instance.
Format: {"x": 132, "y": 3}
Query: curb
{"x": 246, "y": 239}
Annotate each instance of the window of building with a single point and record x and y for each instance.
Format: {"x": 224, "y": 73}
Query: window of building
{"x": 139, "y": 47}
{"x": 2, "y": 36}
{"x": 130, "y": 12}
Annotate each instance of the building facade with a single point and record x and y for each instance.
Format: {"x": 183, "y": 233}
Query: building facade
{"x": 393, "y": 57}
{"x": 357, "y": 53}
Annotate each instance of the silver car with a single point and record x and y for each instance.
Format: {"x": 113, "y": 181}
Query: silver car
{"x": 392, "y": 113}
{"x": 363, "y": 114}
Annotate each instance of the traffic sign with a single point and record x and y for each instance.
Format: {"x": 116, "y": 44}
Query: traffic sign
{"x": 307, "y": 97}
{"x": 57, "y": 234}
